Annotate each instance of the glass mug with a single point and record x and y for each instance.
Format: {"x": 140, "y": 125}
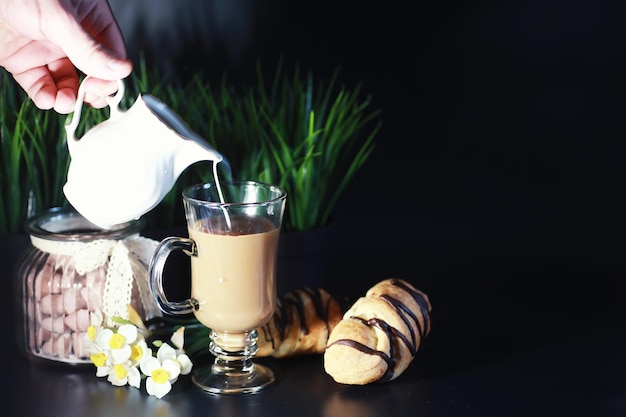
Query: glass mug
{"x": 233, "y": 243}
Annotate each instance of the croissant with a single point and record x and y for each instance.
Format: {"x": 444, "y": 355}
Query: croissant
{"x": 300, "y": 325}
{"x": 379, "y": 334}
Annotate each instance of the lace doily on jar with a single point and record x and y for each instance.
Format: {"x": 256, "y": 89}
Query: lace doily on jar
{"x": 128, "y": 261}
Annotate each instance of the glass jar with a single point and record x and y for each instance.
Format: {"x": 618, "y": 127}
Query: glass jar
{"x": 74, "y": 269}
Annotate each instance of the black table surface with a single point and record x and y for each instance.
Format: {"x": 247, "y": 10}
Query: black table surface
{"x": 490, "y": 353}
{"x": 496, "y": 187}
{"x": 553, "y": 379}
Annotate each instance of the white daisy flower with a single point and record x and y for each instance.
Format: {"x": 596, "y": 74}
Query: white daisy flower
{"x": 161, "y": 371}
{"x": 122, "y": 374}
{"x": 117, "y": 343}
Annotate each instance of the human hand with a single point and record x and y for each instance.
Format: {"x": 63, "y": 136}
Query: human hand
{"x": 42, "y": 42}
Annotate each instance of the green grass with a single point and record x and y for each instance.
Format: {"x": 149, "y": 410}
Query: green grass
{"x": 306, "y": 134}
{"x": 32, "y": 158}
{"x": 296, "y": 131}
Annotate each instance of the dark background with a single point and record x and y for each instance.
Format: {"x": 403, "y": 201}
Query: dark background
{"x": 496, "y": 187}
{"x": 497, "y": 184}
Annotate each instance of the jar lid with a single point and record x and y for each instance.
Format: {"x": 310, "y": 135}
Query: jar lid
{"x": 65, "y": 223}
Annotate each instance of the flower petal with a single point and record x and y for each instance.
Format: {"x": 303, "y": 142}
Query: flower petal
{"x": 185, "y": 363}
{"x": 102, "y": 371}
{"x": 178, "y": 338}
{"x": 149, "y": 365}
{"x": 96, "y": 318}
{"x": 172, "y": 367}
{"x": 166, "y": 352}
{"x": 134, "y": 377}
{"x": 102, "y": 338}
{"x": 158, "y": 390}
{"x": 129, "y": 331}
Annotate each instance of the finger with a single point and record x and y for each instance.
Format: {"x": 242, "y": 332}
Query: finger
{"x": 65, "y": 101}
{"x": 98, "y": 87}
{"x": 66, "y": 82}
{"x": 39, "y": 86}
{"x": 97, "y": 90}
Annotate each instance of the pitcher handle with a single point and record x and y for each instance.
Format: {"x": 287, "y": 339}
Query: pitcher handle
{"x": 155, "y": 272}
{"x": 113, "y": 102}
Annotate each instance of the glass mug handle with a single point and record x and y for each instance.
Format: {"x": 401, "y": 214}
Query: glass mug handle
{"x": 155, "y": 271}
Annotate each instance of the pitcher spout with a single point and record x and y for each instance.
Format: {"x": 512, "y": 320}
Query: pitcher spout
{"x": 189, "y": 152}
{"x": 194, "y": 143}
{"x": 190, "y": 147}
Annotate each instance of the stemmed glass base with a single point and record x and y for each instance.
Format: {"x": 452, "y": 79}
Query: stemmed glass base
{"x": 233, "y": 371}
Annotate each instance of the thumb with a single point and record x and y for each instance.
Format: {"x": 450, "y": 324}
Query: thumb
{"x": 92, "y": 56}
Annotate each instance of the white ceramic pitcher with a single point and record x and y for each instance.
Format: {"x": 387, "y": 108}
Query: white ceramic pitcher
{"x": 123, "y": 167}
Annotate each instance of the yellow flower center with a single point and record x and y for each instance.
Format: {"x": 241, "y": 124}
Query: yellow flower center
{"x": 160, "y": 376}
{"x": 98, "y": 359}
{"x": 117, "y": 341}
{"x": 120, "y": 371}
{"x": 91, "y": 332}
{"x": 136, "y": 353}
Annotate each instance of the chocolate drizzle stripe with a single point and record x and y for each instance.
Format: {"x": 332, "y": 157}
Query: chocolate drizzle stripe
{"x": 420, "y": 299}
{"x": 367, "y": 350}
{"x": 282, "y": 318}
{"x": 316, "y": 297}
{"x": 402, "y": 310}
{"x": 301, "y": 315}
{"x": 392, "y": 334}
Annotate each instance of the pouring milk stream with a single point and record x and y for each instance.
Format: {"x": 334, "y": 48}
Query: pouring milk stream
{"x": 123, "y": 167}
